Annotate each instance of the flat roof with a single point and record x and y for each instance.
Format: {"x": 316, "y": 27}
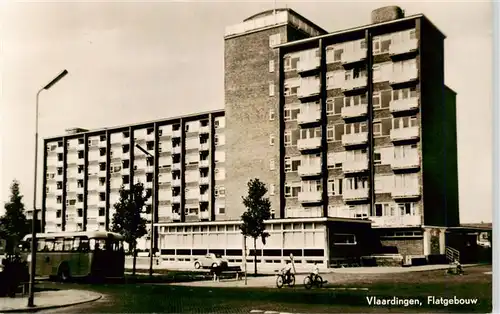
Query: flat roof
{"x": 187, "y": 116}
{"x": 90, "y": 234}
{"x": 358, "y": 28}
{"x": 270, "y": 221}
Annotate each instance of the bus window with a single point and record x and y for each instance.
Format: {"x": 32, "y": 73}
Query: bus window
{"x": 76, "y": 244}
{"x": 117, "y": 246}
{"x": 84, "y": 245}
{"x": 39, "y": 246}
{"x": 48, "y": 245}
{"x": 97, "y": 244}
{"x": 68, "y": 244}
{"x": 58, "y": 244}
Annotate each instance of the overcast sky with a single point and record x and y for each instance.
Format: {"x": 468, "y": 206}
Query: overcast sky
{"x": 131, "y": 62}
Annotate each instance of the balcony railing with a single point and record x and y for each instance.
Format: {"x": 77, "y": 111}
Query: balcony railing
{"x": 356, "y": 83}
{"x": 204, "y": 215}
{"x": 403, "y": 104}
{"x": 309, "y": 143}
{"x": 204, "y": 163}
{"x": 176, "y": 216}
{"x": 309, "y": 170}
{"x": 308, "y": 90}
{"x": 404, "y": 134}
{"x": 354, "y": 195}
{"x": 176, "y": 133}
{"x": 176, "y": 199}
{"x": 408, "y": 162}
{"x": 176, "y": 182}
{"x": 204, "y": 146}
{"x": 204, "y": 129}
{"x": 353, "y": 166}
{"x": 354, "y": 111}
{"x": 406, "y": 192}
{"x": 396, "y": 221}
{"x": 353, "y": 56}
{"x": 176, "y": 150}
{"x": 176, "y": 166}
{"x": 355, "y": 139}
{"x": 204, "y": 180}
{"x": 308, "y": 64}
{"x": 404, "y": 76}
{"x": 310, "y": 197}
{"x": 310, "y": 116}
{"x": 403, "y": 47}
{"x": 204, "y": 197}
{"x": 303, "y": 212}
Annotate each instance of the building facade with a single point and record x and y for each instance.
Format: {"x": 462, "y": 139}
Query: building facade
{"x": 346, "y": 129}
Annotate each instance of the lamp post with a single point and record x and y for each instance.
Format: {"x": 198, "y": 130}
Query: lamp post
{"x": 33, "y": 222}
{"x": 153, "y": 208}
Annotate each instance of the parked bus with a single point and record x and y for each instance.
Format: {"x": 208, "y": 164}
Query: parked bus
{"x": 95, "y": 254}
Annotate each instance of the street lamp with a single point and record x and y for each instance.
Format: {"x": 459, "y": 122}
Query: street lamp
{"x": 33, "y": 222}
{"x": 153, "y": 208}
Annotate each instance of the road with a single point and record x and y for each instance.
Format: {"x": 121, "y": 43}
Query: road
{"x": 163, "y": 298}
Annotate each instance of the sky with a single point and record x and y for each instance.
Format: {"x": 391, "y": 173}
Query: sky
{"x": 132, "y": 62}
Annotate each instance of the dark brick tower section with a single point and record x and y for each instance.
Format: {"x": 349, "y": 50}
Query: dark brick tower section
{"x": 439, "y": 151}
{"x": 252, "y": 136}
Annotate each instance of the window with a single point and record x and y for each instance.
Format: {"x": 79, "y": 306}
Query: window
{"x": 377, "y": 129}
{"x": 271, "y": 88}
{"x": 355, "y": 128}
{"x": 331, "y": 187}
{"x": 376, "y": 100}
{"x": 344, "y": 239}
{"x": 222, "y": 210}
{"x": 272, "y": 114}
{"x": 271, "y": 66}
{"x": 330, "y": 133}
{"x": 377, "y": 157}
{"x": 272, "y": 165}
{"x": 381, "y": 44}
{"x": 291, "y": 112}
{"x": 404, "y": 122}
{"x": 274, "y": 40}
{"x": 58, "y": 213}
{"x": 290, "y": 62}
{"x": 216, "y": 140}
{"x": 288, "y": 138}
{"x": 59, "y": 157}
{"x": 271, "y": 140}
{"x": 271, "y": 189}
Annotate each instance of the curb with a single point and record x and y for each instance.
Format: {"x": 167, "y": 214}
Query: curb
{"x": 50, "y": 307}
{"x": 269, "y": 312}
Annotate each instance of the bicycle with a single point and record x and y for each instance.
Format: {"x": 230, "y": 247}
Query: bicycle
{"x": 281, "y": 280}
{"x": 313, "y": 280}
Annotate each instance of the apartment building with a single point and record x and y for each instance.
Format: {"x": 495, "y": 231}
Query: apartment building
{"x": 353, "y": 132}
{"x": 84, "y": 171}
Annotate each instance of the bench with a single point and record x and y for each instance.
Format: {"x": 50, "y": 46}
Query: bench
{"x": 217, "y": 273}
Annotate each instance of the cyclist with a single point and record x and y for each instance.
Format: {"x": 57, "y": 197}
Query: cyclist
{"x": 315, "y": 272}
{"x": 287, "y": 270}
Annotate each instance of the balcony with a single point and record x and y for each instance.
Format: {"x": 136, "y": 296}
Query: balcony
{"x": 405, "y": 192}
{"x": 204, "y": 180}
{"x": 396, "y": 221}
{"x": 204, "y": 197}
{"x": 176, "y": 166}
{"x": 176, "y": 182}
{"x": 412, "y": 161}
{"x": 353, "y": 56}
{"x": 205, "y": 215}
{"x": 309, "y": 170}
{"x": 176, "y": 133}
{"x": 353, "y": 84}
{"x": 405, "y": 134}
{"x": 355, "y": 139}
{"x": 403, "y": 47}
{"x": 102, "y": 143}
{"x": 354, "y": 166}
{"x": 204, "y": 129}
{"x": 354, "y": 111}
{"x": 310, "y": 197}
{"x": 308, "y": 90}
{"x": 204, "y": 146}
{"x": 401, "y": 105}
{"x": 309, "y": 143}
{"x": 404, "y": 76}
{"x": 176, "y": 199}
{"x": 176, "y": 150}
{"x": 150, "y": 137}
{"x": 310, "y": 116}
{"x": 304, "y": 212}
{"x": 204, "y": 163}
{"x": 307, "y": 65}
{"x": 355, "y": 195}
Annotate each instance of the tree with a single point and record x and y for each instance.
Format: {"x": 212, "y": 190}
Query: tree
{"x": 127, "y": 219}
{"x": 13, "y": 224}
{"x": 258, "y": 209}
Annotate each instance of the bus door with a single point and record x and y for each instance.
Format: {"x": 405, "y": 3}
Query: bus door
{"x": 44, "y": 255}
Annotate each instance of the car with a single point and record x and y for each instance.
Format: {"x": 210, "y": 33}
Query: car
{"x": 211, "y": 260}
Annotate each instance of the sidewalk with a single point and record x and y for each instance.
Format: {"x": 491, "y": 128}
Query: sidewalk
{"x": 45, "y": 300}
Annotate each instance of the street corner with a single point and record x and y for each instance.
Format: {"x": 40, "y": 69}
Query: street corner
{"x": 46, "y": 300}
